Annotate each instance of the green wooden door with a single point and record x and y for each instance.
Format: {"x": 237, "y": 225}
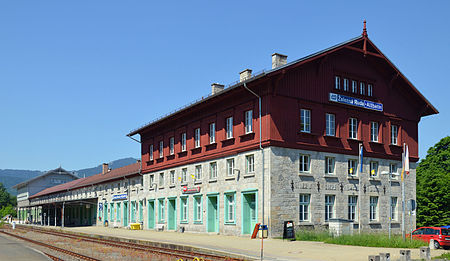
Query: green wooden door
{"x": 151, "y": 214}
{"x": 171, "y": 215}
{"x": 249, "y": 216}
{"x": 213, "y": 216}
{"x": 125, "y": 214}
{"x": 141, "y": 211}
{"x": 105, "y": 212}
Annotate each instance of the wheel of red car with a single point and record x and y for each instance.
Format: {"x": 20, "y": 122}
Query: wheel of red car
{"x": 436, "y": 244}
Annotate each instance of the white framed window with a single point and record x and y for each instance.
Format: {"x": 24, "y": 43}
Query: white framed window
{"x": 304, "y": 163}
{"x": 373, "y": 215}
{"x": 198, "y": 172}
{"x": 329, "y": 165}
{"x": 229, "y": 127}
{"x": 369, "y": 90}
{"x": 161, "y": 149}
{"x": 330, "y": 124}
{"x": 171, "y": 145}
{"x": 352, "y": 203}
{"x": 394, "y": 215}
{"x": 354, "y": 86}
{"x": 183, "y": 141}
{"x": 230, "y": 207}
{"x": 337, "y": 82}
{"x": 213, "y": 170}
{"x": 230, "y": 167}
{"x": 329, "y": 207}
{"x": 250, "y": 163}
{"x": 394, "y": 134}
{"x": 161, "y": 179}
{"x": 184, "y": 209}
{"x": 150, "y": 152}
{"x": 362, "y": 88}
{"x": 374, "y": 131}
{"x": 373, "y": 169}
{"x": 212, "y": 133}
{"x": 346, "y": 85}
{"x": 353, "y": 128}
{"x": 351, "y": 167}
{"x": 305, "y": 120}
{"x": 161, "y": 211}
{"x": 249, "y": 121}
{"x": 172, "y": 177}
{"x": 304, "y": 207}
{"x": 197, "y": 137}
{"x": 393, "y": 170}
{"x": 197, "y": 209}
{"x": 151, "y": 181}
{"x": 183, "y": 175}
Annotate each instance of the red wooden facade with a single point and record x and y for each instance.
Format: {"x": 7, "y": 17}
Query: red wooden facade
{"x": 302, "y": 84}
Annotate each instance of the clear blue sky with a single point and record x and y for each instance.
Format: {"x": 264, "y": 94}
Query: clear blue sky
{"x": 77, "y": 76}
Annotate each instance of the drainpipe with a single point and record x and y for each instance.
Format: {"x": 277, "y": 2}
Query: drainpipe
{"x": 262, "y": 172}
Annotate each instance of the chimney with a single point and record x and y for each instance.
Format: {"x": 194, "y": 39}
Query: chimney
{"x": 215, "y": 88}
{"x": 105, "y": 168}
{"x": 278, "y": 60}
{"x": 245, "y": 74}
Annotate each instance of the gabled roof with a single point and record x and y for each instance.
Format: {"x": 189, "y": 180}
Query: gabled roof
{"x": 129, "y": 170}
{"x": 59, "y": 170}
{"x": 361, "y": 44}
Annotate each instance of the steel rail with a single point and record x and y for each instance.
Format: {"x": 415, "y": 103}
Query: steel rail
{"x": 65, "y": 251}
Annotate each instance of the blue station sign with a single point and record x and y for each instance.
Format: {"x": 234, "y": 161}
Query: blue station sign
{"x": 356, "y": 102}
{"x": 119, "y": 197}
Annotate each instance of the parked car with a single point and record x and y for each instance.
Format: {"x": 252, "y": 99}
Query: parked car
{"x": 441, "y": 236}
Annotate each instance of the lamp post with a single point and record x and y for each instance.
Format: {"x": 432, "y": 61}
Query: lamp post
{"x": 389, "y": 195}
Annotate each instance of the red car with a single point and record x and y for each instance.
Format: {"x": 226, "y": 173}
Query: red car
{"x": 440, "y": 235}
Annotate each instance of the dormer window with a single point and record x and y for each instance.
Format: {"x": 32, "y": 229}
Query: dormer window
{"x": 337, "y": 82}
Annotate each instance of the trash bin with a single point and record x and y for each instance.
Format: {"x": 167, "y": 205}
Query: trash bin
{"x": 14, "y": 224}
{"x": 135, "y": 226}
{"x": 141, "y": 224}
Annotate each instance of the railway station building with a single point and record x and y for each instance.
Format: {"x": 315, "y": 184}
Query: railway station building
{"x": 279, "y": 145}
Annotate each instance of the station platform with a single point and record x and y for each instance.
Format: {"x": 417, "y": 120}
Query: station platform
{"x": 274, "y": 249}
{"x": 17, "y": 250}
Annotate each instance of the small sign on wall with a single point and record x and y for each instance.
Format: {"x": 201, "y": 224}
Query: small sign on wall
{"x": 192, "y": 190}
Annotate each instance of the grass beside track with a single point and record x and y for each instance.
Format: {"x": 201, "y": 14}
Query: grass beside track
{"x": 445, "y": 256}
{"x": 367, "y": 240}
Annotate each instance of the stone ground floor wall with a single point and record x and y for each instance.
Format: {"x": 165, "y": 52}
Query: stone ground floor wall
{"x": 288, "y": 184}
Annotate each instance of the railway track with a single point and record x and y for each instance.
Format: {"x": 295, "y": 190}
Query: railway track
{"x": 174, "y": 253}
{"x": 65, "y": 251}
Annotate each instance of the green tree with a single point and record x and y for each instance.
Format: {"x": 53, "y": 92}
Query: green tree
{"x": 5, "y": 197}
{"x": 433, "y": 186}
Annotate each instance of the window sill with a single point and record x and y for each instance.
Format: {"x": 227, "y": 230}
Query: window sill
{"x": 212, "y": 180}
{"x": 196, "y": 150}
{"x": 230, "y": 178}
{"x": 249, "y": 135}
{"x": 395, "y": 145}
{"x": 375, "y": 143}
{"x": 184, "y": 184}
{"x": 307, "y": 133}
{"x": 230, "y": 223}
{"x": 306, "y": 174}
{"x": 375, "y": 222}
{"x": 149, "y": 162}
{"x": 305, "y": 223}
{"x": 197, "y": 182}
{"x": 228, "y": 141}
{"x": 170, "y": 157}
{"x": 352, "y": 177}
{"x": 354, "y": 140}
{"x": 172, "y": 186}
{"x": 198, "y": 222}
{"x": 184, "y": 222}
{"x": 249, "y": 175}
{"x": 160, "y": 188}
{"x": 374, "y": 179}
{"x": 182, "y": 153}
{"x": 332, "y": 176}
{"x": 332, "y": 137}
{"x": 211, "y": 145}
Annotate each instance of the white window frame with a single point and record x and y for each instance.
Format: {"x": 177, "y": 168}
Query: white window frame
{"x": 354, "y": 86}
{"x": 212, "y": 133}
{"x": 393, "y": 170}
{"x": 330, "y": 123}
{"x": 213, "y": 170}
{"x": 352, "y": 166}
{"x": 171, "y": 145}
{"x": 394, "y": 134}
{"x": 198, "y": 172}
{"x": 346, "y": 85}
{"x": 304, "y": 163}
{"x": 197, "y": 138}
{"x": 373, "y": 169}
{"x": 337, "y": 82}
{"x": 304, "y": 203}
{"x": 374, "y": 131}
{"x": 250, "y": 163}
{"x": 373, "y": 211}
{"x": 151, "y": 181}
{"x": 183, "y": 141}
{"x": 353, "y": 128}
{"x": 230, "y": 167}
{"x": 352, "y": 207}
{"x": 184, "y": 209}
{"x": 248, "y": 121}
{"x": 329, "y": 207}
{"x": 329, "y": 165}
{"x": 172, "y": 177}
{"x": 370, "y": 90}
{"x": 362, "y": 88}
{"x": 184, "y": 175}
{"x": 393, "y": 206}
{"x": 161, "y": 149}
{"x": 161, "y": 180}
{"x": 198, "y": 208}
{"x": 150, "y": 151}
{"x": 305, "y": 120}
{"x": 230, "y": 205}
{"x": 229, "y": 127}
